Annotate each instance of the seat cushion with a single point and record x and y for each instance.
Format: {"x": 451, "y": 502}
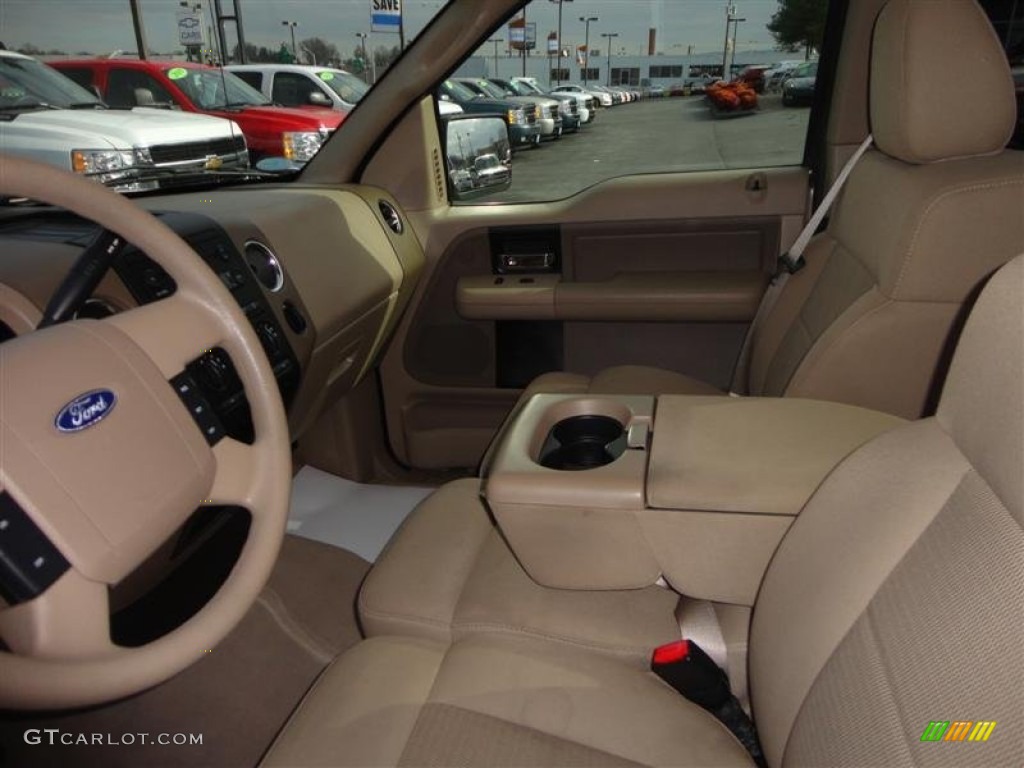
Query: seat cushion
{"x": 448, "y": 572}
{"x": 493, "y": 700}
{"x": 622, "y": 379}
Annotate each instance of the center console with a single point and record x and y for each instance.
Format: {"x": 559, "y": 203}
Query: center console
{"x": 614, "y": 492}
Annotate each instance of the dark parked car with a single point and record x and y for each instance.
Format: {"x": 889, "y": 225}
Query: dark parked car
{"x": 798, "y": 90}
{"x": 523, "y": 129}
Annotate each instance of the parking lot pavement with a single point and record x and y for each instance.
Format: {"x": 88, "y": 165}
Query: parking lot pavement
{"x": 671, "y": 134}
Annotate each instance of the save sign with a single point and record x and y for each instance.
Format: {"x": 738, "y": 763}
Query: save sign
{"x": 385, "y": 15}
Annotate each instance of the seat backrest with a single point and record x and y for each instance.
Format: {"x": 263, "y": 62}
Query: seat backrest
{"x": 923, "y": 219}
{"x": 896, "y": 600}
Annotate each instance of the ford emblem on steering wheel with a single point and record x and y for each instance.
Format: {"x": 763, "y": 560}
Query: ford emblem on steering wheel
{"x": 86, "y": 410}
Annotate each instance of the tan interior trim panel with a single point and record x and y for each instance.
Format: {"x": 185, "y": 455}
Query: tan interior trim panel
{"x": 754, "y": 455}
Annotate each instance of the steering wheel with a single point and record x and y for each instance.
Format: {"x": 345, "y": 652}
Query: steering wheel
{"x": 107, "y": 494}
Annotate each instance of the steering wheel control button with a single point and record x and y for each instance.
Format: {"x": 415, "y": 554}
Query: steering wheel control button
{"x": 199, "y": 407}
{"x": 86, "y": 410}
{"x": 29, "y": 563}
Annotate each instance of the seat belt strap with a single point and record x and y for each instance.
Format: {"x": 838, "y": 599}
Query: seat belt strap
{"x": 791, "y": 262}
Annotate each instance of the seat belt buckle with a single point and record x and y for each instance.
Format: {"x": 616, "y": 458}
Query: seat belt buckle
{"x": 687, "y": 668}
{"x": 786, "y": 265}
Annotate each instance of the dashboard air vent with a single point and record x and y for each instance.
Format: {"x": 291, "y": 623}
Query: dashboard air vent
{"x": 264, "y": 265}
{"x": 391, "y": 216}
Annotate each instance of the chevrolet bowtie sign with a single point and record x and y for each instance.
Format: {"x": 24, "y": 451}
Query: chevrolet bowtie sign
{"x": 385, "y": 15}
{"x": 190, "y": 27}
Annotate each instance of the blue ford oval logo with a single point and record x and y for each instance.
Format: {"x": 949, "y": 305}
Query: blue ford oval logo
{"x": 85, "y": 410}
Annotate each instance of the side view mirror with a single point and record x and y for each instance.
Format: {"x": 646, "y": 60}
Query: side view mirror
{"x": 479, "y": 156}
{"x": 277, "y": 165}
{"x": 319, "y": 99}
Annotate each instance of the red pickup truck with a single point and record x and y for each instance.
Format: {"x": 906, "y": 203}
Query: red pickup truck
{"x": 270, "y": 131}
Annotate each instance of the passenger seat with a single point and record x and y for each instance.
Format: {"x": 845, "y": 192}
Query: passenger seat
{"x": 922, "y": 221}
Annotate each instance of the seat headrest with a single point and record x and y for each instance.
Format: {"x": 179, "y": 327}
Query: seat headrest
{"x": 982, "y": 406}
{"x": 941, "y": 86}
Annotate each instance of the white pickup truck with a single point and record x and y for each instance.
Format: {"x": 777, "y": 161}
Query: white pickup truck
{"x": 45, "y": 116}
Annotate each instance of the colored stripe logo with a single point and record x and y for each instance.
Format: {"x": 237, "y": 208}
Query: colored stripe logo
{"x": 958, "y": 730}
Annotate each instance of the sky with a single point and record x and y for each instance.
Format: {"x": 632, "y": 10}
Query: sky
{"x": 101, "y": 26}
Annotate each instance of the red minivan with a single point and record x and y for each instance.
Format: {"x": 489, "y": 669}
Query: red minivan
{"x": 270, "y": 131}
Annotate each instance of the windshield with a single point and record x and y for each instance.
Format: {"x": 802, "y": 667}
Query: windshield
{"x": 527, "y": 88}
{"x": 458, "y": 91}
{"x": 806, "y": 70}
{"x": 215, "y": 88}
{"x": 492, "y": 90}
{"x": 27, "y": 83}
{"x": 349, "y": 87}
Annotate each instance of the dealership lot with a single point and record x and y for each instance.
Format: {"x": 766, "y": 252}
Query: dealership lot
{"x": 657, "y": 135}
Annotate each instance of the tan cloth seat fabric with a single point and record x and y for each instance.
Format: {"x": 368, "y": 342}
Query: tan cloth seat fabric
{"x": 494, "y": 700}
{"x": 448, "y": 573}
{"x": 922, "y": 221}
{"x": 895, "y": 600}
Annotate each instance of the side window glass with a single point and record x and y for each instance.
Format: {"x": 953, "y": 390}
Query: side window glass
{"x": 80, "y": 75}
{"x": 292, "y": 89}
{"x": 656, "y": 87}
{"x": 255, "y": 79}
{"x": 127, "y": 88}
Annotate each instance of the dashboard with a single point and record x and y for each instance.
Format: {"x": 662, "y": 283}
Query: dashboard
{"x": 322, "y": 275}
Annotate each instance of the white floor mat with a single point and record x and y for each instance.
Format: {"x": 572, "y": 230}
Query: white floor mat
{"x": 359, "y": 518}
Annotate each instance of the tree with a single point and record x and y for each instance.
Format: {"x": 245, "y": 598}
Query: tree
{"x": 799, "y": 24}
{"x": 384, "y": 56}
{"x": 325, "y": 54}
{"x": 256, "y": 55}
{"x": 284, "y": 56}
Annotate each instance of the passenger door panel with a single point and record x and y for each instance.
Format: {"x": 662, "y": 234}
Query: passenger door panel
{"x": 664, "y": 270}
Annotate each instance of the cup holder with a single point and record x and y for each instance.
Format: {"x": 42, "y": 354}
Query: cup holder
{"x": 583, "y": 442}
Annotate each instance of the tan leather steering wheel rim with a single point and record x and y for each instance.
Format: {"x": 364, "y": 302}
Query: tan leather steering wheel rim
{"x": 58, "y": 653}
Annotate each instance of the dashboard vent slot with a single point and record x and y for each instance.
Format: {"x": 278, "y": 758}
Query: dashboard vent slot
{"x": 394, "y": 221}
{"x": 439, "y": 183}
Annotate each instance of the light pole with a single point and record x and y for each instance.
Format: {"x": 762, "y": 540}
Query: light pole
{"x": 608, "y": 48}
{"x": 586, "y": 45}
{"x": 730, "y": 12}
{"x": 366, "y": 63}
{"x": 291, "y": 28}
{"x": 496, "y": 40}
{"x": 735, "y": 31}
{"x": 558, "y": 69}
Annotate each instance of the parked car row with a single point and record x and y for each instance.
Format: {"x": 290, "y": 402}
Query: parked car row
{"x": 271, "y": 129}
{"x": 531, "y": 114}
{"x": 138, "y": 125}
{"x": 47, "y": 117}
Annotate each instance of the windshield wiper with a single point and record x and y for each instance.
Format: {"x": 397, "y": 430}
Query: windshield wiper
{"x": 185, "y": 175}
{"x": 87, "y": 105}
{"x": 28, "y": 105}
